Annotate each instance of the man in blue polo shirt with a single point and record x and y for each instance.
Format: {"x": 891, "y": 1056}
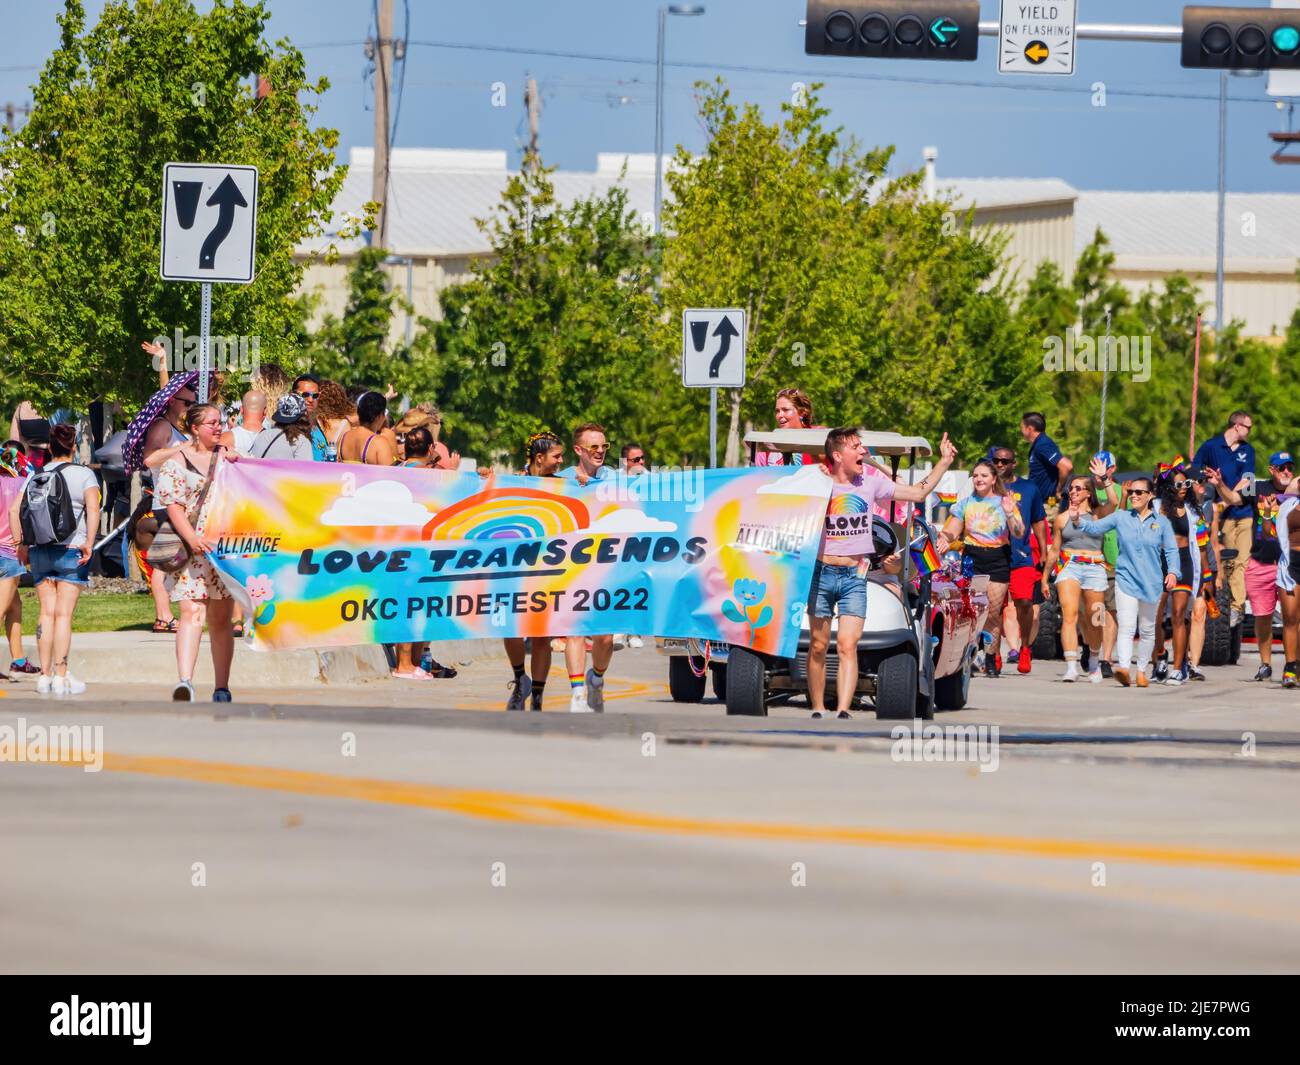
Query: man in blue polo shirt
{"x": 1048, "y": 468}
{"x": 1026, "y": 590}
{"x": 1235, "y": 460}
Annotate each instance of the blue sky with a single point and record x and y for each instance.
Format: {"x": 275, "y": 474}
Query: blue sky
{"x": 1158, "y": 130}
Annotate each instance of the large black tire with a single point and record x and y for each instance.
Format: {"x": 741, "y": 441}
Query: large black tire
{"x": 719, "y": 682}
{"x": 896, "y": 688}
{"x": 1218, "y": 634}
{"x": 951, "y": 692}
{"x": 1047, "y": 644}
{"x": 746, "y": 683}
{"x": 683, "y": 685}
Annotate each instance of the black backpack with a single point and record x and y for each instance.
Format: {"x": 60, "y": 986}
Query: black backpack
{"x": 46, "y": 513}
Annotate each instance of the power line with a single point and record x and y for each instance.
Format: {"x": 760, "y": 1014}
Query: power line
{"x": 826, "y": 75}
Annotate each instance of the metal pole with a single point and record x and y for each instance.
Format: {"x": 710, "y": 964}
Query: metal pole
{"x": 713, "y": 428}
{"x": 1119, "y": 31}
{"x": 205, "y": 352}
{"x": 1105, "y": 377}
{"x": 1223, "y": 170}
{"x": 410, "y": 307}
{"x": 659, "y": 117}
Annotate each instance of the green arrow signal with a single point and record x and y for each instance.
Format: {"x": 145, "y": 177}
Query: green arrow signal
{"x": 944, "y": 32}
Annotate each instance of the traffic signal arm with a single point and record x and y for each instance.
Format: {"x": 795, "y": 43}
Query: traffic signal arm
{"x": 893, "y": 29}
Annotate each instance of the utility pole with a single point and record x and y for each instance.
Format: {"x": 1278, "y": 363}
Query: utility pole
{"x": 381, "y": 51}
{"x": 534, "y": 104}
{"x": 12, "y": 109}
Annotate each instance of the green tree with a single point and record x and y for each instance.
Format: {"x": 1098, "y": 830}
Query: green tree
{"x": 556, "y": 328}
{"x": 888, "y": 309}
{"x": 153, "y": 81}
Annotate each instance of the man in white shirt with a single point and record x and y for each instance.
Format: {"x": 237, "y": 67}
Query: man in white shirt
{"x": 252, "y": 415}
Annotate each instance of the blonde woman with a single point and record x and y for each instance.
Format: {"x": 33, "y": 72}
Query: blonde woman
{"x": 196, "y": 587}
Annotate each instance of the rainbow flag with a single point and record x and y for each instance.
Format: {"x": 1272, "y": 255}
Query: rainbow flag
{"x": 924, "y": 555}
{"x": 946, "y": 499}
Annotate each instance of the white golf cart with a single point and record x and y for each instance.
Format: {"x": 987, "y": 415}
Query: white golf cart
{"x": 913, "y": 655}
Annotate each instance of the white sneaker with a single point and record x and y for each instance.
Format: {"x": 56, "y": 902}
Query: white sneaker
{"x": 620, "y": 641}
{"x": 595, "y": 692}
{"x": 635, "y": 641}
{"x": 183, "y": 692}
{"x": 1071, "y": 673}
{"x": 578, "y": 702}
{"x": 44, "y": 684}
{"x": 68, "y": 685}
{"x": 1094, "y": 675}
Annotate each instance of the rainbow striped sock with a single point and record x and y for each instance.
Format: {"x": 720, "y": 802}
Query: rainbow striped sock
{"x": 577, "y": 680}
{"x": 598, "y": 672}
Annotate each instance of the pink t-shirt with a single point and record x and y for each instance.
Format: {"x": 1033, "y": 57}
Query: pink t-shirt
{"x": 847, "y": 529}
{"x": 10, "y": 489}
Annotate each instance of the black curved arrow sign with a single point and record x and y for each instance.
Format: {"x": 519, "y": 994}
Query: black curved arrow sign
{"x": 227, "y": 198}
{"x": 725, "y": 330}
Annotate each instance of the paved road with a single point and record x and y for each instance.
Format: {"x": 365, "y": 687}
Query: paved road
{"x": 382, "y": 829}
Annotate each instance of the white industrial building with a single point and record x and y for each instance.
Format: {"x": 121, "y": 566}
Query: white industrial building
{"x": 436, "y": 195}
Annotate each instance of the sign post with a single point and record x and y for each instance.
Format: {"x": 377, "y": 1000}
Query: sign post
{"x": 209, "y": 234}
{"x": 713, "y": 357}
{"x": 1037, "y": 38}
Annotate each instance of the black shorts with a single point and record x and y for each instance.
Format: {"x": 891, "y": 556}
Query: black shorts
{"x": 1293, "y": 567}
{"x": 991, "y": 562}
{"x": 1186, "y": 578}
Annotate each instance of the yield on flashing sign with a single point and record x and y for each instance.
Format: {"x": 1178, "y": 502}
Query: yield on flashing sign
{"x": 1037, "y": 38}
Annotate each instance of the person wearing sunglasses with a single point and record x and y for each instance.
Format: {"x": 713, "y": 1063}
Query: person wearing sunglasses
{"x": 1076, "y": 559}
{"x": 1027, "y": 555}
{"x": 1146, "y": 540}
{"x": 1234, "y": 459}
{"x": 634, "y": 460}
{"x": 587, "y": 686}
{"x": 306, "y": 386}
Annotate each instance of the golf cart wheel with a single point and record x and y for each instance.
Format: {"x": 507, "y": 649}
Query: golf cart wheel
{"x": 746, "y": 683}
{"x": 951, "y": 692}
{"x": 683, "y": 685}
{"x": 719, "y": 682}
{"x": 1047, "y": 644}
{"x": 896, "y": 688}
{"x": 1217, "y": 650}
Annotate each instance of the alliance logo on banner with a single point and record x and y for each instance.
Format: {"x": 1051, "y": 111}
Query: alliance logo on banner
{"x": 322, "y": 554}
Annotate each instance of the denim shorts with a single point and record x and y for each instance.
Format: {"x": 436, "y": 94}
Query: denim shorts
{"x": 10, "y": 567}
{"x": 1090, "y": 576}
{"x": 832, "y": 585}
{"x": 58, "y": 563}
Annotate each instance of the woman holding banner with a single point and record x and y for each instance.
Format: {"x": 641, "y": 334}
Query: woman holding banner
{"x": 182, "y": 487}
{"x": 544, "y": 457}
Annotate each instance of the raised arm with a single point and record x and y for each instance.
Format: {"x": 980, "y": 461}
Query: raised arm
{"x": 918, "y": 493}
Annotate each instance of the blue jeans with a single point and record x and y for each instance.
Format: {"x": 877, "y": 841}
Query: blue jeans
{"x": 58, "y": 563}
{"x": 832, "y": 585}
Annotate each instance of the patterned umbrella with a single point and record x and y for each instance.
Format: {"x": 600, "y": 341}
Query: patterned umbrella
{"x": 133, "y": 450}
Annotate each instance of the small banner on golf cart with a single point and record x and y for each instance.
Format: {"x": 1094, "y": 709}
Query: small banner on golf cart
{"x": 331, "y": 555}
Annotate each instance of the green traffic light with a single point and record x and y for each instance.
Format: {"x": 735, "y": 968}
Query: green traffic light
{"x": 1286, "y": 39}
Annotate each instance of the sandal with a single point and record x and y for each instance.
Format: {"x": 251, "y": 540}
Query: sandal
{"x": 238, "y": 631}
{"x": 441, "y": 672}
{"x": 160, "y": 626}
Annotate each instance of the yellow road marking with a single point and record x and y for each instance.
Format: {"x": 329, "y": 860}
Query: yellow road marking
{"x": 566, "y": 813}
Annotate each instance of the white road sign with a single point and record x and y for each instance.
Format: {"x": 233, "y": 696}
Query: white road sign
{"x": 1037, "y": 38}
{"x": 209, "y": 222}
{"x": 713, "y": 348}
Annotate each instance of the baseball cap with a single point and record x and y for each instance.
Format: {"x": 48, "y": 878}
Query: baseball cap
{"x": 289, "y": 409}
{"x": 1105, "y": 457}
{"x": 1281, "y": 458}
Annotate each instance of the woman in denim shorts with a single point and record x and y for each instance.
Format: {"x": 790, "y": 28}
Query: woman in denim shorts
{"x": 1077, "y": 559}
{"x": 60, "y": 571}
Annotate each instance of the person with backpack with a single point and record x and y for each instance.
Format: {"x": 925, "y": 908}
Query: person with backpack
{"x": 58, "y": 514}
{"x": 290, "y": 437}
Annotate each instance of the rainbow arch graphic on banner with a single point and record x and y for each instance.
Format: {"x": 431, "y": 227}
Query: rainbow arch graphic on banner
{"x": 508, "y": 514}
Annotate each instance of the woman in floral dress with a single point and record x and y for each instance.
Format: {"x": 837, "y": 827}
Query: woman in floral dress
{"x": 196, "y": 586}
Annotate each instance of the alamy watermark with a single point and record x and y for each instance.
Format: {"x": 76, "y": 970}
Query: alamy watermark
{"x": 667, "y": 484}
{"x": 946, "y": 743}
{"x": 1088, "y": 354}
{"x": 239, "y": 355}
{"x": 75, "y": 744}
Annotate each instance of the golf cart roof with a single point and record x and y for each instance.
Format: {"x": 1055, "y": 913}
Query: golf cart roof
{"x": 814, "y": 440}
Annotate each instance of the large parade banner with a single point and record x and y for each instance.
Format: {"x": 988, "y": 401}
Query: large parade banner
{"x": 329, "y": 555}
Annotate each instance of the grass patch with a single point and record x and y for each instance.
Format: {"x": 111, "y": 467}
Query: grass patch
{"x": 96, "y": 613}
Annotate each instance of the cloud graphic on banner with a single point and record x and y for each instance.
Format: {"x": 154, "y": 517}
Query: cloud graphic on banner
{"x": 375, "y": 504}
{"x": 809, "y": 481}
{"x": 630, "y": 520}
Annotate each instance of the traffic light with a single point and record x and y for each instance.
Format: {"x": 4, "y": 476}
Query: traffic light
{"x": 1241, "y": 38}
{"x": 893, "y": 29}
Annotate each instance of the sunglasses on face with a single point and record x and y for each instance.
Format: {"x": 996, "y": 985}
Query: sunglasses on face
{"x": 602, "y": 448}
{"x": 1180, "y": 485}
{"x": 1007, "y": 461}
{"x": 187, "y": 402}
{"x": 1139, "y": 491}
{"x": 306, "y": 395}
{"x": 636, "y": 460}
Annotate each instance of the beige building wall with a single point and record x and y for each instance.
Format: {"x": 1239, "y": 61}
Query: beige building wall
{"x": 1264, "y": 301}
{"x": 1037, "y": 232}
